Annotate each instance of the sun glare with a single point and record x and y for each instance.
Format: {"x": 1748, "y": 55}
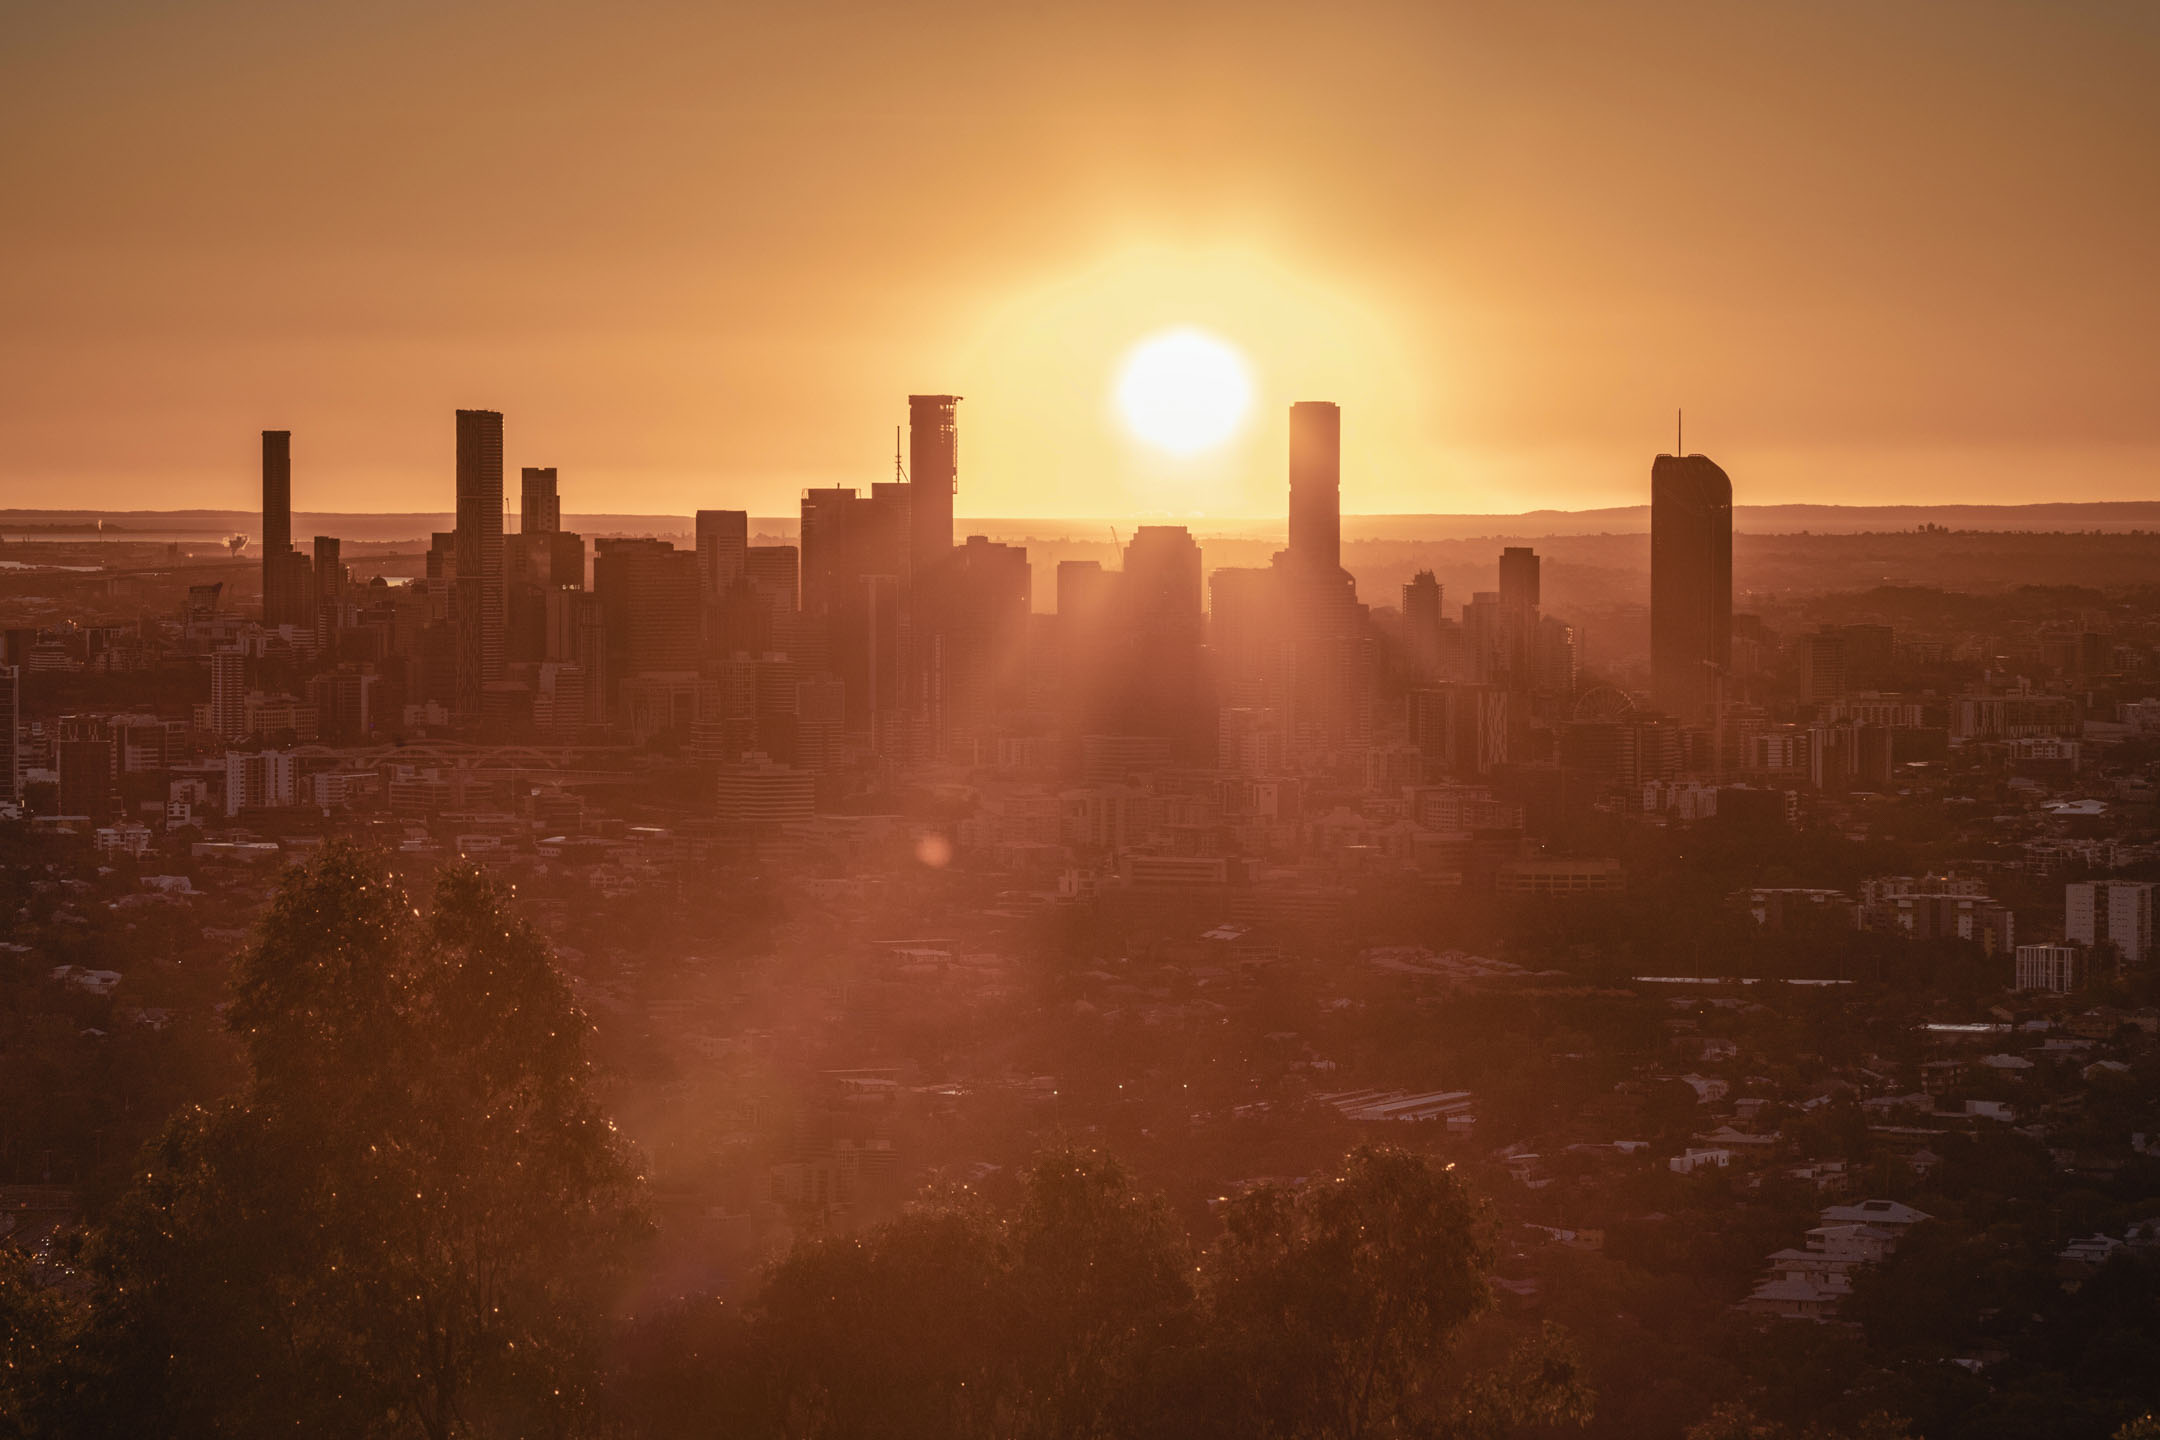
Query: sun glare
{"x": 1184, "y": 391}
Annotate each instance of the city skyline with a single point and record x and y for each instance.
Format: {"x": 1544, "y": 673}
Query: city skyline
{"x": 939, "y": 719}
{"x": 1838, "y": 313}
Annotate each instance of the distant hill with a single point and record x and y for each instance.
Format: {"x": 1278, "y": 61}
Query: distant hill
{"x": 2113, "y": 516}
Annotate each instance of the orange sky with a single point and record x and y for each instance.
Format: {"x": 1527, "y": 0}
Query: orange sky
{"x": 699, "y": 252}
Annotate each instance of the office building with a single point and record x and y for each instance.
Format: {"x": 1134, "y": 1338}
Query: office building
{"x": 856, "y": 591}
{"x": 2057, "y": 968}
{"x": 1459, "y": 729}
{"x": 933, "y": 477}
{"x": 761, "y": 794}
{"x": 1326, "y": 701}
{"x": 723, "y": 544}
{"x": 1421, "y": 618}
{"x": 576, "y": 639}
{"x": 276, "y": 527}
{"x": 1519, "y": 578}
{"x": 329, "y": 588}
{"x": 535, "y": 565}
{"x": 228, "y": 693}
{"x": 979, "y": 648}
{"x": 10, "y": 734}
{"x": 1154, "y": 682}
{"x": 1245, "y": 636}
{"x": 1690, "y": 584}
{"x": 1822, "y": 666}
{"x": 539, "y": 503}
{"x": 775, "y": 575}
{"x": 1316, "y": 486}
{"x": 479, "y": 599}
{"x": 262, "y": 781}
{"x": 651, "y": 597}
{"x": 2111, "y": 912}
{"x": 86, "y": 778}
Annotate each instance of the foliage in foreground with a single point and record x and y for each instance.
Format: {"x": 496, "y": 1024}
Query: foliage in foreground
{"x": 413, "y": 1220}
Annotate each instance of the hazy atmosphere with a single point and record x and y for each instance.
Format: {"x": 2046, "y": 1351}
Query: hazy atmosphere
{"x": 903, "y": 721}
{"x": 695, "y": 251}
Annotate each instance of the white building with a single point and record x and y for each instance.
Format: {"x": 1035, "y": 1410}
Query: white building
{"x": 760, "y": 792}
{"x": 261, "y": 781}
{"x": 2050, "y": 967}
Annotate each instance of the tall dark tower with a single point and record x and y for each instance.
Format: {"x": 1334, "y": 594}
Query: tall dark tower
{"x": 933, "y": 478}
{"x": 539, "y": 504}
{"x": 1316, "y": 486}
{"x": 276, "y": 524}
{"x": 479, "y": 593}
{"x": 1519, "y": 577}
{"x": 723, "y": 541}
{"x": 1690, "y": 583}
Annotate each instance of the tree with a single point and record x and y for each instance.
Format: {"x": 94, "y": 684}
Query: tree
{"x": 957, "y": 1321}
{"x": 1338, "y": 1300}
{"x": 412, "y": 1217}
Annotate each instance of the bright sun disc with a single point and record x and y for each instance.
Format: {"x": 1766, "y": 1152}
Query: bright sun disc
{"x": 1184, "y": 391}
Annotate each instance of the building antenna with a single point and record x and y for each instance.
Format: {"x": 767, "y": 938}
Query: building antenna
{"x": 1679, "y": 426}
{"x": 898, "y": 473}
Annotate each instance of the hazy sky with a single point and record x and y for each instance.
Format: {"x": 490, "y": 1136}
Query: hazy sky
{"x": 699, "y": 253}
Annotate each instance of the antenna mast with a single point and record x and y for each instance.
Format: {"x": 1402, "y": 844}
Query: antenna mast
{"x": 898, "y": 473}
{"x": 1679, "y": 425}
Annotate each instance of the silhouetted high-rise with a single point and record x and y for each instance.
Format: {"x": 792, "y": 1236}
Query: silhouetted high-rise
{"x": 723, "y": 544}
{"x": 1518, "y": 616}
{"x": 1245, "y": 635}
{"x": 539, "y": 503}
{"x": 980, "y": 657}
{"x": 1519, "y": 577}
{"x": 479, "y": 593}
{"x": 1157, "y": 684}
{"x": 1421, "y": 615}
{"x": 277, "y": 587}
{"x": 1690, "y": 583}
{"x": 1327, "y": 703}
{"x": 650, "y": 596}
{"x": 1316, "y": 485}
{"x": 934, "y": 475}
{"x": 855, "y": 568}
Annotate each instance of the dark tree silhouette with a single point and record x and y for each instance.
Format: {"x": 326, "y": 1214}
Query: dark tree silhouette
{"x": 411, "y": 1220}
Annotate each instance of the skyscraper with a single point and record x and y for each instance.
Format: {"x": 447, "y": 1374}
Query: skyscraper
{"x": 539, "y": 505}
{"x": 981, "y": 656}
{"x": 1421, "y": 623}
{"x": 1519, "y": 591}
{"x": 479, "y": 592}
{"x": 1690, "y": 583}
{"x": 329, "y": 570}
{"x": 723, "y": 543}
{"x": 277, "y": 527}
{"x": 1245, "y": 635}
{"x": 933, "y": 475}
{"x": 775, "y": 574}
{"x": 1327, "y": 699}
{"x": 829, "y": 568}
{"x": 1316, "y": 486}
{"x": 1157, "y": 684}
{"x": 650, "y": 596}
{"x": 228, "y": 693}
{"x": 1519, "y": 577}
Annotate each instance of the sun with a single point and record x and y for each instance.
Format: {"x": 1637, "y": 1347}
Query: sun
{"x": 1184, "y": 391}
